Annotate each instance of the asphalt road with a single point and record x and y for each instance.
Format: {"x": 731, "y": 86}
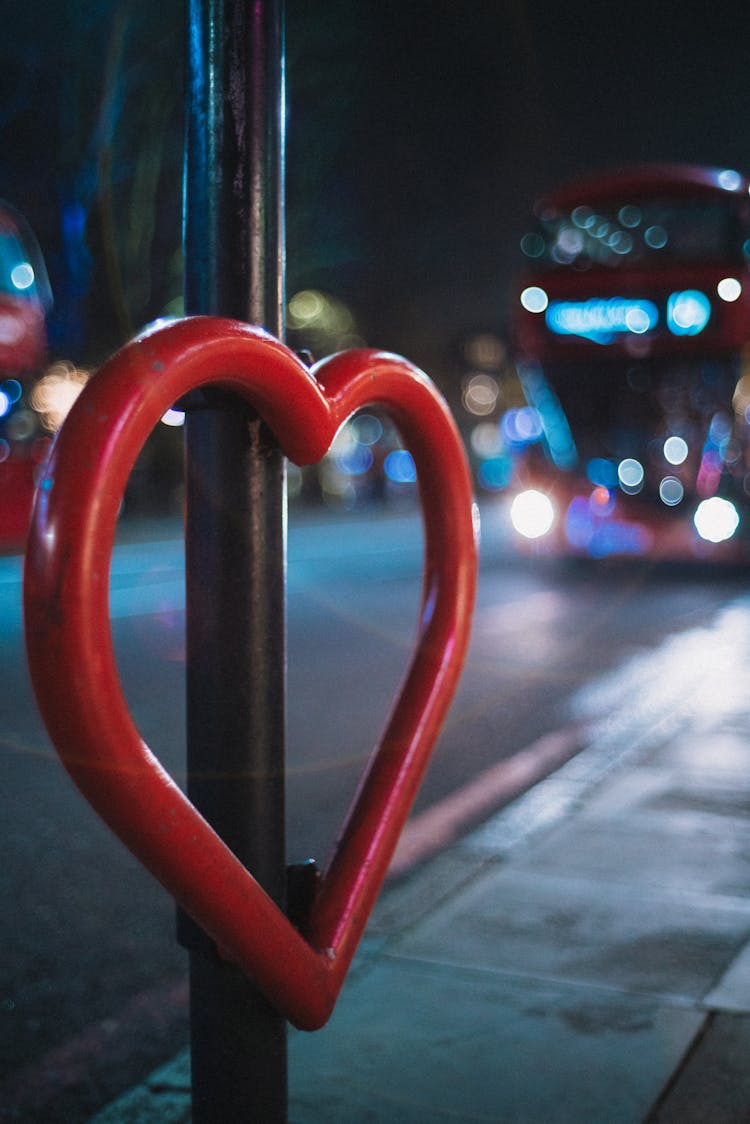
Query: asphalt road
{"x": 92, "y": 991}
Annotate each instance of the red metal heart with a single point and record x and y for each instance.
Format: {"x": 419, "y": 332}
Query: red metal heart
{"x": 73, "y": 667}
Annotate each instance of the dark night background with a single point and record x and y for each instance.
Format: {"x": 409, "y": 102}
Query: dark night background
{"x": 419, "y": 135}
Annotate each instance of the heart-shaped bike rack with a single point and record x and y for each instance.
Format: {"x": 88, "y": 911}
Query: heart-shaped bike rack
{"x": 73, "y": 666}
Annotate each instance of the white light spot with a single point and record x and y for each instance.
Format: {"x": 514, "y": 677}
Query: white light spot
{"x": 675, "y": 450}
{"x": 729, "y": 289}
{"x": 716, "y": 519}
{"x": 630, "y": 474}
{"x": 638, "y": 321}
{"x": 671, "y": 491}
{"x": 534, "y": 299}
{"x": 22, "y": 275}
{"x": 532, "y": 514}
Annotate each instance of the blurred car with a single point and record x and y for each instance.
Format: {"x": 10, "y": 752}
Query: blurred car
{"x": 24, "y": 303}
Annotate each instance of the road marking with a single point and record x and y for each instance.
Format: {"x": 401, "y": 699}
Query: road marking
{"x": 440, "y": 825}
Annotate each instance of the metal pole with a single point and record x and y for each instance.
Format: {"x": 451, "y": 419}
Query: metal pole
{"x": 235, "y": 534}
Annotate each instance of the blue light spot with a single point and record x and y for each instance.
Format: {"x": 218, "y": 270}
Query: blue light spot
{"x": 495, "y": 473}
{"x": 521, "y": 426}
{"x": 12, "y": 389}
{"x": 555, "y": 427}
{"x": 720, "y": 429}
{"x": 621, "y": 242}
{"x": 730, "y": 180}
{"x": 5, "y": 404}
{"x": 602, "y": 472}
{"x": 74, "y": 221}
{"x": 367, "y": 429}
{"x": 532, "y": 245}
{"x": 583, "y": 217}
{"x": 688, "y": 312}
{"x": 656, "y": 237}
{"x": 601, "y": 537}
{"x": 629, "y": 216}
{"x": 356, "y": 460}
{"x": 400, "y": 468}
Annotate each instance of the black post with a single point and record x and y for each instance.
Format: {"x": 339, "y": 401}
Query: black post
{"x": 235, "y": 534}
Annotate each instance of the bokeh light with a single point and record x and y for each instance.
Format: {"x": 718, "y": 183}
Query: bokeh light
{"x": 56, "y": 391}
{"x": 22, "y": 276}
{"x": 480, "y": 394}
{"x": 532, "y": 513}
{"x": 534, "y": 299}
{"x": 671, "y": 491}
{"x": 716, "y": 519}
{"x": 631, "y": 475}
{"x": 675, "y": 449}
{"x": 729, "y": 289}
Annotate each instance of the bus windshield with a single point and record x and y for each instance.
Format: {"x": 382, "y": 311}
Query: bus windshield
{"x": 622, "y": 234}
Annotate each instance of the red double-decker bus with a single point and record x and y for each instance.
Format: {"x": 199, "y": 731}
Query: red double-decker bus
{"x": 24, "y": 303}
{"x": 632, "y": 341}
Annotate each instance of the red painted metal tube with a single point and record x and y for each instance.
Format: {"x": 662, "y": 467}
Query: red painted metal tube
{"x": 73, "y": 666}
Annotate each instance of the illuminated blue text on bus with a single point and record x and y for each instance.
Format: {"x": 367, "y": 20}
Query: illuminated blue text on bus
{"x": 599, "y": 319}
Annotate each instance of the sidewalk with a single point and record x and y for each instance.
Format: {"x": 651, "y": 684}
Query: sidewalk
{"x": 582, "y": 958}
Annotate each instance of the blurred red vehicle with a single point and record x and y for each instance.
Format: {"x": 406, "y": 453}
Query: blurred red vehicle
{"x": 24, "y": 303}
{"x": 632, "y": 340}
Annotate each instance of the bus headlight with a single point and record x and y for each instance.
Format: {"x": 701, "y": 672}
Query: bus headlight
{"x": 532, "y": 514}
{"x": 716, "y": 519}
{"x": 688, "y": 312}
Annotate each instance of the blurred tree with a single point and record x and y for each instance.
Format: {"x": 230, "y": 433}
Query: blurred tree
{"x": 91, "y": 107}
{"x": 92, "y": 110}
{"x": 329, "y": 67}
{"x": 138, "y": 152}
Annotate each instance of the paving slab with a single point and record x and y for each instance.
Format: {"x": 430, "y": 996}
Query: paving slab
{"x": 654, "y": 790}
{"x": 732, "y": 991}
{"x": 408, "y": 900}
{"x": 584, "y": 930}
{"x": 164, "y": 1098}
{"x": 410, "y": 1044}
{"x": 663, "y": 850}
